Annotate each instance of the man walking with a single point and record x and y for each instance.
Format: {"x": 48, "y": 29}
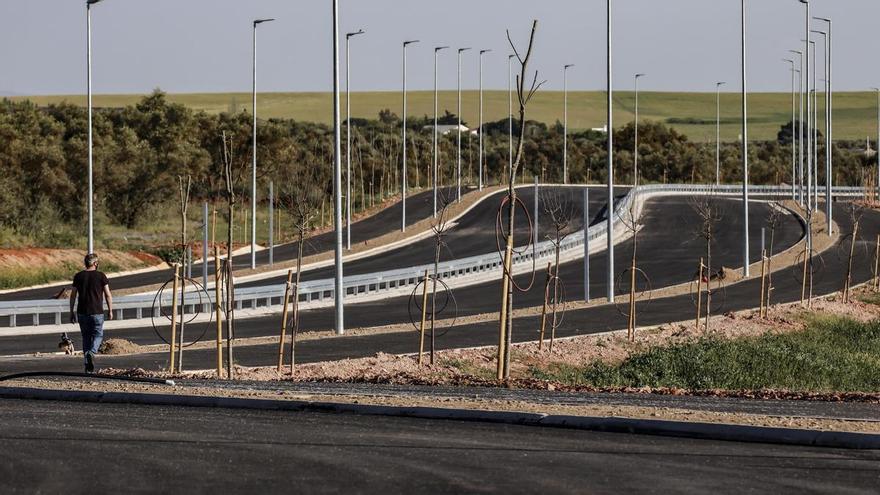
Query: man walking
{"x": 92, "y": 288}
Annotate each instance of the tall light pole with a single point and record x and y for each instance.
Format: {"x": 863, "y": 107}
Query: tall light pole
{"x": 815, "y": 116}
{"x": 339, "y": 289}
{"x": 348, "y": 38}
{"x": 565, "y": 123}
{"x": 510, "y": 117}
{"x": 404, "y": 169}
{"x": 829, "y": 124}
{"x": 827, "y": 143}
{"x": 636, "y": 145}
{"x": 800, "y": 137}
{"x": 745, "y": 147}
{"x": 91, "y": 233}
{"x": 718, "y": 132}
{"x": 458, "y": 131}
{"x": 793, "y": 150}
{"x": 436, "y": 157}
{"x": 810, "y": 94}
{"x": 610, "y": 152}
{"x": 806, "y": 76}
{"x": 480, "y": 168}
{"x": 254, "y": 152}
{"x": 878, "y": 139}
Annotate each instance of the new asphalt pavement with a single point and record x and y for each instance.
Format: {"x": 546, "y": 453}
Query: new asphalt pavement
{"x": 62, "y": 447}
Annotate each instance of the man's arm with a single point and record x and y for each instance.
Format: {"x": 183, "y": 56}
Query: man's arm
{"x": 109, "y": 298}
{"x": 72, "y": 305}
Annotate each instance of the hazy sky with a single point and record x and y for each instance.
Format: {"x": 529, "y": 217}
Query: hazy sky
{"x": 205, "y": 45}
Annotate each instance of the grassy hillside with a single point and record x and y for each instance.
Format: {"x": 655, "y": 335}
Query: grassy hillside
{"x": 691, "y": 113}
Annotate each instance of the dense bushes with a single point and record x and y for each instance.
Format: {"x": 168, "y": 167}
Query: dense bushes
{"x": 141, "y": 150}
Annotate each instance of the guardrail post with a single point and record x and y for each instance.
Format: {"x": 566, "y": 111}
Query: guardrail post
{"x": 36, "y": 319}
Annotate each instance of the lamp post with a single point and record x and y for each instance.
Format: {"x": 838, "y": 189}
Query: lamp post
{"x": 829, "y": 124}
{"x": 793, "y": 151}
{"x": 338, "y": 288}
{"x": 718, "y": 132}
{"x": 827, "y": 143}
{"x": 814, "y": 115}
{"x": 480, "y": 168}
{"x": 636, "y": 145}
{"x": 348, "y": 38}
{"x": 458, "y": 131}
{"x": 436, "y": 158}
{"x": 254, "y": 152}
{"x": 565, "y": 123}
{"x": 745, "y": 148}
{"x": 91, "y": 233}
{"x": 610, "y": 152}
{"x": 806, "y": 77}
{"x": 878, "y": 139}
{"x": 404, "y": 170}
{"x": 800, "y": 137}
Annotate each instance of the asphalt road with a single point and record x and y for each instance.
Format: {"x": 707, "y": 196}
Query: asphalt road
{"x": 58, "y": 447}
{"x": 418, "y": 208}
{"x": 673, "y": 253}
{"x": 473, "y": 234}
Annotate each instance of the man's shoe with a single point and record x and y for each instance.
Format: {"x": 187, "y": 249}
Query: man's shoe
{"x": 90, "y": 363}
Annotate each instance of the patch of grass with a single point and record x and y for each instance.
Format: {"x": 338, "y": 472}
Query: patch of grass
{"x": 469, "y": 368}
{"x": 830, "y": 355}
{"x": 14, "y": 278}
{"x": 870, "y": 298}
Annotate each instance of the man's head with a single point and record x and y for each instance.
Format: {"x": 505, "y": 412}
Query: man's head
{"x": 91, "y": 260}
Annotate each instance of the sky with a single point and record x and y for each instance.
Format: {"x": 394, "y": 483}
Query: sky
{"x": 195, "y": 46}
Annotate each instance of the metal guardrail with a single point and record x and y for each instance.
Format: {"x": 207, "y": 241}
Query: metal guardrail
{"x": 393, "y": 282}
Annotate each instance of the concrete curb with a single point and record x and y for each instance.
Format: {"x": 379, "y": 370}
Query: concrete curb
{"x": 699, "y": 431}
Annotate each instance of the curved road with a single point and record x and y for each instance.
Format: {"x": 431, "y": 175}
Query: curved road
{"x": 418, "y": 208}
{"x": 669, "y": 253}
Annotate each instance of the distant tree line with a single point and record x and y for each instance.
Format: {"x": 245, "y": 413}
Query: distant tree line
{"x": 141, "y": 151}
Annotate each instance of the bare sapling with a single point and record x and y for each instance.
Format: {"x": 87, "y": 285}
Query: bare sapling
{"x": 229, "y": 158}
{"x": 524, "y": 96}
{"x": 303, "y": 199}
{"x": 559, "y": 213}
{"x": 773, "y": 220}
{"x": 856, "y": 217}
{"x": 708, "y": 209}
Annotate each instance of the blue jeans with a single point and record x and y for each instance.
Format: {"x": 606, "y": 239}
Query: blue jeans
{"x": 92, "y": 329}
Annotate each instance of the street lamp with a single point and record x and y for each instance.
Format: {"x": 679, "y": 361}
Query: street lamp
{"x": 91, "y": 233}
{"x": 878, "y": 139}
{"x": 718, "y": 132}
{"x": 800, "y": 137}
{"x": 458, "y": 131}
{"x": 806, "y": 77}
{"x": 829, "y": 123}
{"x": 404, "y": 169}
{"x": 827, "y": 143}
{"x": 254, "y": 153}
{"x": 480, "y": 168}
{"x": 565, "y": 123}
{"x": 609, "y": 233}
{"x": 436, "y": 158}
{"x": 338, "y": 288}
{"x": 636, "y": 146}
{"x": 811, "y": 125}
{"x": 348, "y": 38}
{"x": 793, "y": 151}
{"x": 745, "y": 148}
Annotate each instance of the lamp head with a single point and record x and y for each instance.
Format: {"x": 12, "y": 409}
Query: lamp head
{"x": 352, "y": 35}
{"x": 485, "y": 51}
{"x": 260, "y": 21}
{"x": 440, "y": 48}
{"x": 568, "y": 66}
{"x": 410, "y": 42}
{"x": 89, "y": 3}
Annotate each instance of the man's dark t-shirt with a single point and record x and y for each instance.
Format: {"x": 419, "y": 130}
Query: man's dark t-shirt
{"x": 89, "y": 287}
